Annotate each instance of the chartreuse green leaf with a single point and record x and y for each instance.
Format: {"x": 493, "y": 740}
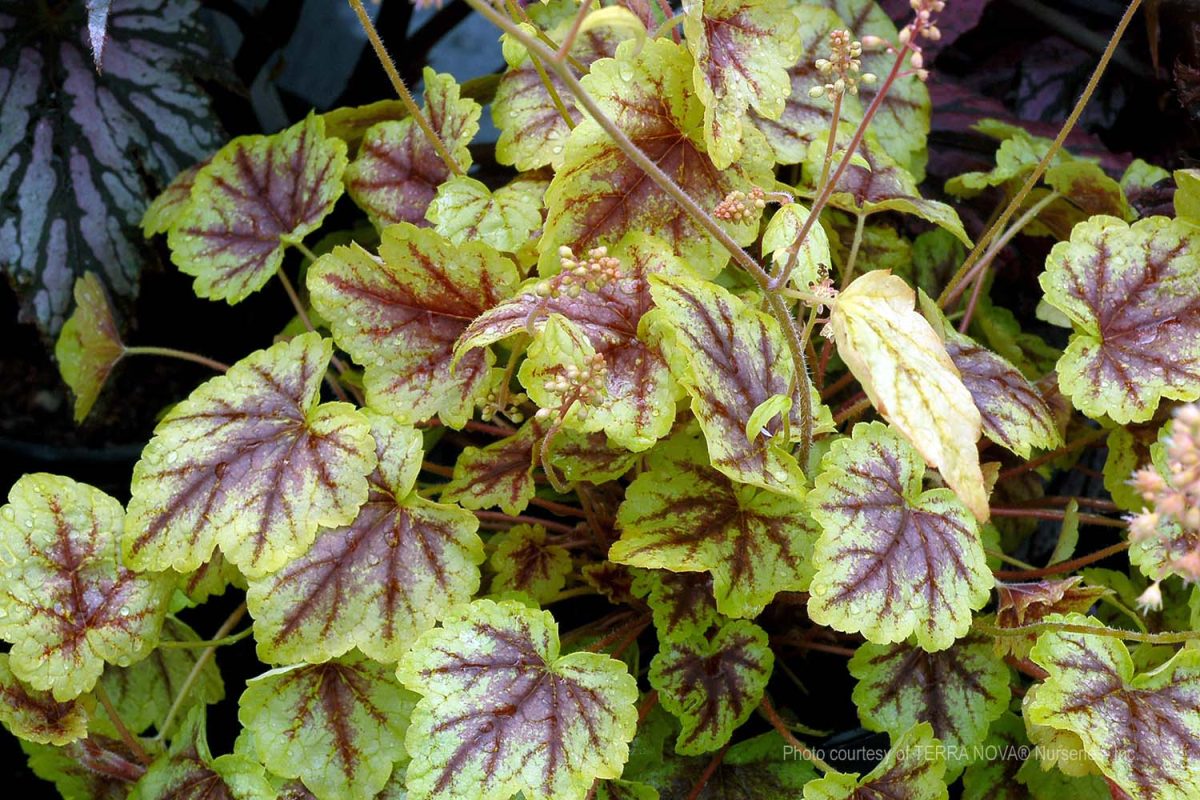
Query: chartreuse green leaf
{"x": 257, "y": 195}
{"x": 626, "y": 790}
{"x": 1018, "y": 154}
{"x": 742, "y": 51}
{"x": 377, "y": 582}
{"x": 561, "y": 348}
{"x": 337, "y": 726}
{"x": 892, "y": 560}
{"x": 1132, "y": 293}
{"x": 95, "y": 768}
{"x": 994, "y": 777}
{"x": 252, "y": 462}
{"x": 89, "y": 345}
{"x": 169, "y": 204}
{"x": 397, "y": 172}
{"x": 525, "y": 562}
{"x": 502, "y": 712}
{"x": 905, "y": 370}
{"x": 1013, "y": 412}
{"x": 682, "y": 515}
{"x": 806, "y": 119}
{"x": 712, "y": 685}
{"x": 682, "y": 602}
{"x": 399, "y": 315}
{"x": 143, "y": 693}
{"x": 640, "y": 403}
{"x": 1129, "y": 448}
{"x": 1141, "y": 730}
{"x": 69, "y": 604}
{"x": 1043, "y": 782}
{"x": 500, "y": 474}
{"x": 532, "y": 127}
{"x": 36, "y": 716}
{"x": 912, "y": 770}
{"x": 466, "y": 210}
{"x": 960, "y": 691}
{"x": 731, "y": 358}
{"x": 1187, "y": 195}
{"x": 598, "y": 194}
{"x": 189, "y": 772}
{"x": 812, "y": 260}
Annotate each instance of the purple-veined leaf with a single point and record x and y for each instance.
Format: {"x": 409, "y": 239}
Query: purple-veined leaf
{"x": 532, "y": 128}
{"x": 712, "y": 685}
{"x": 142, "y": 693}
{"x": 806, "y": 119}
{"x": 909, "y": 377}
{"x": 684, "y": 516}
{"x": 398, "y": 170}
{"x": 337, "y": 726}
{"x": 682, "y": 602}
{"x": 912, "y": 770}
{"x": 170, "y": 203}
{"x": 742, "y": 51}
{"x": 1141, "y": 730}
{"x": 189, "y": 772}
{"x": 500, "y": 474}
{"x": 732, "y": 359}
{"x": 89, "y": 344}
{"x": 253, "y": 198}
{"x": 97, "y": 24}
{"x": 250, "y": 462}
{"x": 525, "y": 562}
{"x": 69, "y": 604}
{"x": 892, "y": 560}
{"x": 614, "y": 581}
{"x": 377, "y": 582}
{"x": 467, "y": 210}
{"x": 1013, "y": 412}
{"x": 598, "y": 194}
{"x": 36, "y": 716}
{"x": 640, "y": 406}
{"x": 590, "y": 457}
{"x": 400, "y": 314}
{"x": 95, "y": 768}
{"x": 82, "y": 151}
{"x": 1020, "y": 604}
{"x": 1129, "y": 292}
{"x": 995, "y": 776}
{"x": 503, "y": 712}
{"x": 958, "y": 691}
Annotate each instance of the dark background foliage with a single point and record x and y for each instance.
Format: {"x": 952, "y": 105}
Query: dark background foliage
{"x": 1021, "y": 60}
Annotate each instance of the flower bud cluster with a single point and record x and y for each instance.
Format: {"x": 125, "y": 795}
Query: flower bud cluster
{"x": 587, "y": 384}
{"x": 1174, "y": 499}
{"x": 592, "y": 273}
{"x": 738, "y": 206}
{"x": 841, "y": 70}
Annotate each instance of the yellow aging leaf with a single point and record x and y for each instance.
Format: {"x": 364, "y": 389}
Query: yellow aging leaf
{"x": 905, "y": 370}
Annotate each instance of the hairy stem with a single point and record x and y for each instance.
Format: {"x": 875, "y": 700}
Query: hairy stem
{"x": 855, "y": 244}
{"x": 801, "y": 749}
{"x": 1170, "y": 637}
{"x": 1062, "y": 566}
{"x": 177, "y": 704}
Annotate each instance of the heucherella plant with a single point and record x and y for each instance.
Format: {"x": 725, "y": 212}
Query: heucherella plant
{"x": 557, "y": 481}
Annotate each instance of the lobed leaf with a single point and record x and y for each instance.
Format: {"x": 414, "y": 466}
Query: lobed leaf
{"x": 250, "y": 462}
{"x": 912, "y": 770}
{"x": 742, "y": 50}
{"x": 682, "y": 602}
{"x": 69, "y": 604}
{"x": 995, "y": 776}
{"x": 502, "y": 712}
{"x": 500, "y": 474}
{"x": 1014, "y": 413}
{"x": 712, "y": 685}
{"x": 35, "y": 716}
{"x": 466, "y": 210}
{"x": 1187, "y": 195}
{"x": 682, "y": 515}
{"x": 189, "y": 772}
{"x": 892, "y": 560}
{"x": 82, "y": 151}
{"x": 257, "y": 195}
{"x": 398, "y": 171}
{"x": 379, "y": 581}
{"x": 910, "y": 378}
{"x": 525, "y": 562}
{"x": 598, "y": 194}
{"x": 166, "y": 207}
{"x": 813, "y": 258}
{"x": 1132, "y": 293}
{"x": 95, "y": 768}
{"x": 338, "y": 726}
{"x": 732, "y": 358}
{"x": 400, "y": 314}
{"x": 959, "y": 691}
{"x": 1141, "y": 730}
{"x": 89, "y": 344}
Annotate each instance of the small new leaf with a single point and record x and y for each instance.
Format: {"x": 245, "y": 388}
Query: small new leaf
{"x": 893, "y": 560}
{"x": 502, "y": 712}
{"x": 525, "y": 562}
{"x": 255, "y": 196}
{"x": 713, "y": 685}
{"x": 69, "y": 604}
{"x": 466, "y": 210}
{"x": 682, "y": 602}
{"x": 250, "y": 462}
{"x": 89, "y": 345}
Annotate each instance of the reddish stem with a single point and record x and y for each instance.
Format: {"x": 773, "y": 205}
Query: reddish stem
{"x": 1062, "y": 566}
